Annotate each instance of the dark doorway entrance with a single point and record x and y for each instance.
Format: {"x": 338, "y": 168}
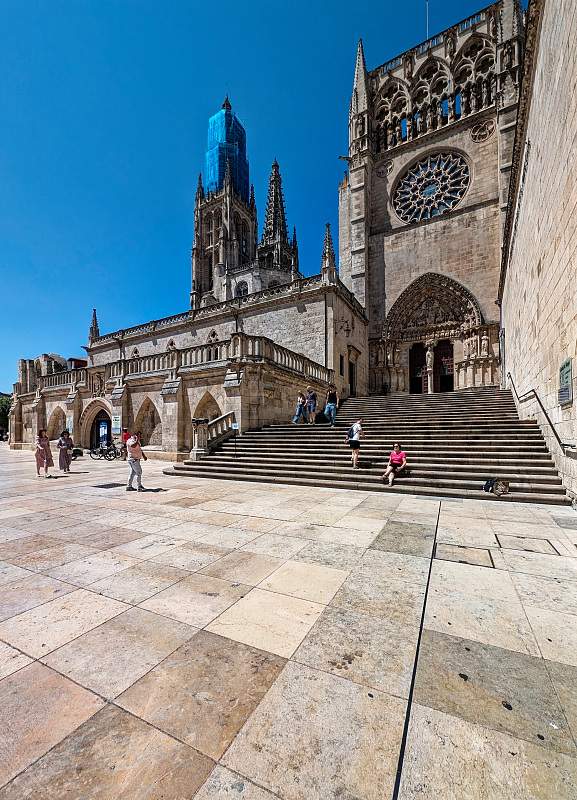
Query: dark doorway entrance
{"x": 443, "y": 367}
{"x": 352, "y": 379}
{"x": 417, "y": 369}
{"x": 101, "y": 430}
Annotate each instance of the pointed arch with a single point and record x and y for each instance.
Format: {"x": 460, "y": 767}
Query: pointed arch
{"x": 56, "y": 423}
{"x": 207, "y": 407}
{"x": 88, "y": 416}
{"x": 432, "y": 306}
{"x": 149, "y": 423}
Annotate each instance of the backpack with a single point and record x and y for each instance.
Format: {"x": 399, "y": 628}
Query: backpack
{"x": 350, "y": 434}
{"x": 496, "y": 486}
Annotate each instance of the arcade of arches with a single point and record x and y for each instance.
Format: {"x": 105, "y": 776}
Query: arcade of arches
{"x": 435, "y": 340}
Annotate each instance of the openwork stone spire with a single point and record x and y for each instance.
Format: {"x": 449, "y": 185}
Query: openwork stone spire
{"x": 94, "y": 331}
{"x": 275, "y": 228}
{"x": 328, "y": 264}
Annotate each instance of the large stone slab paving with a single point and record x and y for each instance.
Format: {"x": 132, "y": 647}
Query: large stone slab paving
{"x": 38, "y": 708}
{"x": 42, "y": 560}
{"x": 95, "y": 660}
{"x": 450, "y": 577}
{"x": 500, "y": 689}
{"x": 27, "y": 544}
{"x": 316, "y": 736}
{"x": 11, "y": 660}
{"x": 191, "y": 556}
{"x": 42, "y": 629}
{"x": 92, "y": 568}
{"x": 556, "y": 634}
{"x": 378, "y": 595}
{"x": 453, "y": 759}
{"x": 196, "y": 600}
{"x": 138, "y": 583}
{"x": 243, "y": 567}
{"x": 272, "y": 622}
{"x": 464, "y": 555}
{"x": 9, "y": 573}
{"x": 113, "y": 756}
{"x": 313, "y": 582}
{"x": 276, "y": 545}
{"x": 372, "y": 651}
{"x": 411, "y": 538}
{"x": 204, "y": 692}
{"x": 539, "y": 564}
{"x": 223, "y": 784}
{"x": 531, "y": 544}
{"x": 564, "y": 678}
{"x": 340, "y": 556}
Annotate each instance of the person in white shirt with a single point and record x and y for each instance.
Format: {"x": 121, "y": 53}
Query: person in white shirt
{"x": 354, "y": 436}
{"x": 135, "y": 455}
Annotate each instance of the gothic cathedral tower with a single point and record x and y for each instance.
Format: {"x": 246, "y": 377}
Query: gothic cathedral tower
{"x": 422, "y": 204}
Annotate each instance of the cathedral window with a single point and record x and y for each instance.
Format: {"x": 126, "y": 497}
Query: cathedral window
{"x": 433, "y": 186}
{"x": 241, "y": 289}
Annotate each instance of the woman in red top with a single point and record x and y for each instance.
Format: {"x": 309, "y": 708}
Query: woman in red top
{"x": 397, "y": 463}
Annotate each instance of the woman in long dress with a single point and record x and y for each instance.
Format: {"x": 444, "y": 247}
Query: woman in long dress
{"x": 43, "y": 453}
{"x": 65, "y": 445}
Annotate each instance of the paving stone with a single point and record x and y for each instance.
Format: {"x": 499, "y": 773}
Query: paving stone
{"x": 138, "y": 583}
{"x": 41, "y": 560}
{"x": 113, "y": 755}
{"x": 204, "y": 692}
{"x": 564, "y": 678}
{"x": 28, "y": 544}
{"x": 95, "y": 661}
{"x": 326, "y": 533}
{"x": 272, "y": 622}
{"x": 38, "y": 708}
{"x": 406, "y": 537}
{"x": 450, "y": 758}
{"x": 9, "y": 573}
{"x": 473, "y": 581}
{"x": 42, "y": 629}
{"x": 148, "y": 546}
{"x": 92, "y": 568}
{"x": 566, "y": 522}
{"x": 540, "y": 564}
{"x": 530, "y": 544}
{"x": 243, "y": 567}
{"x": 313, "y": 582}
{"x": 502, "y": 623}
{"x": 223, "y": 784}
{"x": 275, "y": 544}
{"x": 372, "y": 651}
{"x": 395, "y": 566}
{"x": 340, "y": 556}
{"x": 11, "y": 660}
{"x": 500, "y": 689}
{"x": 464, "y": 555}
{"x": 552, "y": 594}
{"x": 556, "y": 634}
{"x": 380, "y": 596}
{"x": 196, "y": 600}
{"x": 109, "y": 537}
{"x": 354, "y": 734}
{"x": 191, "y": 556}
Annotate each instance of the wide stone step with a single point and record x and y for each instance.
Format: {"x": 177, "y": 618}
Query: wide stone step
{"x": 522, "y": 496}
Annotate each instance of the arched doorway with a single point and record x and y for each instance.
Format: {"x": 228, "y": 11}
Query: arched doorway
{"x": 443, "y": 367}
{"x": 101, "y": 429}
{"x": 417, "y": 369}
{"x": 207, "y": 408}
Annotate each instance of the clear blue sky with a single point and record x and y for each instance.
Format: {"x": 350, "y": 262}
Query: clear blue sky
{"x": 104, "y": 105}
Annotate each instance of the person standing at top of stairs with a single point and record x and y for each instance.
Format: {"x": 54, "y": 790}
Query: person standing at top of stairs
{"x": 331, "y": 404}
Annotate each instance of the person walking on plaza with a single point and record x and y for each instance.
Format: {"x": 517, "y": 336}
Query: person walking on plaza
{"x": 331, "y": 404}
{"x": 311, "y": 405}
{"x": 135, "y": 456}
{"x": 300, "y": 409}
{"x": 125, "y": 437}
{"x": 43, "y": 453}
{"x": 397, "y": 463}
{"x": 354, "y": 436}
{"x": 65, "y": 445}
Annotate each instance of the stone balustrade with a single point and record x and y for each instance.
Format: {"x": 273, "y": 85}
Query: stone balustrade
{"x": 69, "y": 377}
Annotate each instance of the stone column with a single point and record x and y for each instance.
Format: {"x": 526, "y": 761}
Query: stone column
{"x": 430, "y": 358}
{"x": 199, "y": 439}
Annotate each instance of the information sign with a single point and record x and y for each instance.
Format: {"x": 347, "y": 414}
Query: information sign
{"x": 565, "y": 395}
{"x": 116, "y": 426}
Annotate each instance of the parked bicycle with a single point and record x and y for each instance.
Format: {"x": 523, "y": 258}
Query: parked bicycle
{"x": 109, "y": 452}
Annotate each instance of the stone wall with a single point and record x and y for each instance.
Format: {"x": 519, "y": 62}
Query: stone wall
{"x": 539, "y": 294}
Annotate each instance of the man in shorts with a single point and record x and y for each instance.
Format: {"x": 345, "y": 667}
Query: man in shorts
{"x": 354, "y": 436}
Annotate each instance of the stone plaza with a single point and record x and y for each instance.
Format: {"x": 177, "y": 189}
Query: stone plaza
{"x": 219, "y": 640}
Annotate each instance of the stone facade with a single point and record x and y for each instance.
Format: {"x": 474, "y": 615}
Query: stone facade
{"x": 429, "y": 159}
{"x": 539, "y": 269}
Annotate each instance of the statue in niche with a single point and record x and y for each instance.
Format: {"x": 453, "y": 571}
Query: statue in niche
{"x": 466, "y": 349}
{"x": 430, "y": 358}
{"x": 485, "y": 345}
{"x": 473, "y": 347}
{"x": 359, "y": 126}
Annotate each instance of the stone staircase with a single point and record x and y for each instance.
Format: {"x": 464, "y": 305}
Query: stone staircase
{"x": 454, "y": 442}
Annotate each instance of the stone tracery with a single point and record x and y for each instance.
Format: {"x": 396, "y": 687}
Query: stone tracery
{"x": 431, "y": 187}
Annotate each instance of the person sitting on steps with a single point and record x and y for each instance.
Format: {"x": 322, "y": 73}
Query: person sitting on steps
{"x": 396, "y": 464}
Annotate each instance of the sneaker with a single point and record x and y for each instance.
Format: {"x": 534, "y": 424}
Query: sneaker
{"x": 141, "y": 489}
{"x": 130, "y": 489}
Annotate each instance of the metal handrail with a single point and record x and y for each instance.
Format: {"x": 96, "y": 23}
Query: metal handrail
{"x": 533, "y": 393}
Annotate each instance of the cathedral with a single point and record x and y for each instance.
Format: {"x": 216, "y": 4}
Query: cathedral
{"x": 455, "y": 267}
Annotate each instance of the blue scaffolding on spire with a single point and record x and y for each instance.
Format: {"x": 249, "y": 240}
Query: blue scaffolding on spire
{"x": 226, "y": 143}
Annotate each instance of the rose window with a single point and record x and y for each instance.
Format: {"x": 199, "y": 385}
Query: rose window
{"x": 431, "y": 187}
